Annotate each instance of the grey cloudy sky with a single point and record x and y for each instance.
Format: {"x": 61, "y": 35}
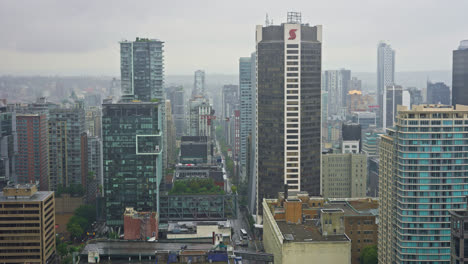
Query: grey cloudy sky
{"x": 81, "y": 37}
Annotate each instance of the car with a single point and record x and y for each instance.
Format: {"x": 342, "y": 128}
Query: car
{"x": 238, "y": 243}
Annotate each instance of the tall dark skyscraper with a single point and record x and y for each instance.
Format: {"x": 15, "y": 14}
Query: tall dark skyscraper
{"x": 288, "y": 105}
{"x": 460, "y": 74}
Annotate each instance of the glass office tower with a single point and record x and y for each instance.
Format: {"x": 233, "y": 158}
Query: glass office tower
{"x": 423, "y": 175}
{"x": 132, "y": 160}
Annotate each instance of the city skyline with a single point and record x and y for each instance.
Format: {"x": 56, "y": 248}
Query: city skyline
{"x": 77, "y": 47}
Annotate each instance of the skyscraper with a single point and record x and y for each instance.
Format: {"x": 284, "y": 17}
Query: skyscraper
{"x": 142, "y": 69}
{"x": 385, "y": 74}
{"x": 199, "y": 83}
{"x": 438, "y": 93}
{"x": 33, "y": 154}
{"x": 8, "y": 145}
{"x": 337, "y": 82}
{"x": 132, "y": 157}
{"x": 176, "y": 95}
{"x": 393, "y": 95}
{"x": 288, "y": 107}
{"x": 423, "y": 175}
{"x": 460, "y": 74}
{"x": 67, "y": 130}
{"x": 246, "y": 110}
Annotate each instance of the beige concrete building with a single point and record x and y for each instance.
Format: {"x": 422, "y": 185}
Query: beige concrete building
{"x": 27, "y": 225}
{"x": 344, "y": 175}
{"x": 299, "y": 240}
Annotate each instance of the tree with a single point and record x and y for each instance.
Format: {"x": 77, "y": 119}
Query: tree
{"x": 87, "y": 212}
{"x": 75, "y": 230}
{"x": 62, "y": 249}
{"x": 369, "y": 255}
{"x": 234, "y": 189}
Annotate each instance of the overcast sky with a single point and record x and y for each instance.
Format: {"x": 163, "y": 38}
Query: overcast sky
{"x": 81, "y": 37}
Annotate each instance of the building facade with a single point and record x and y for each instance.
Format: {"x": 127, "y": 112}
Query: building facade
{"x": 460, "y": 74}
{"x": 246, "y": 111}
{"x": 459, "y": 232}
{"x": 199, "y": 83}
{"x": 422, "y": 177}
{"x": 33, "y": 154}
{"x": 288, "y": 121}
{"x": 142, "y": 69}
{"x": 344, "y": 175}
{"x": 393, "y": 96}
{"x": 385, "y": 73}
{"x": 132, "y": 157}
{"x": 67, "y": 130}
{"x": 336, "y": 83}
{"x": 8, "y": 145}
{"x": 176, "y": 96}
{"x": 28, "y": 225}
{"x": 438, "y": 93}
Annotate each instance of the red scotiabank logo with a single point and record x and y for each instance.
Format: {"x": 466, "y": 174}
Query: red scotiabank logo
{"x": 292, "y": 34}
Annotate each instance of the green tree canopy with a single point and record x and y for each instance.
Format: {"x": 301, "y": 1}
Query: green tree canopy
{"x": 369, "y": 255}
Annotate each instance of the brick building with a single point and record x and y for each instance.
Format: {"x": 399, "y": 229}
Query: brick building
{"x": 140, "y": 225}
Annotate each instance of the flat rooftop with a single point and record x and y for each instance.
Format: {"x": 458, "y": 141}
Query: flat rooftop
{"x": 306, "y": 232}
{"x": 354, "y": 208}
{"x": 36, "y": 197}
{"x": 135, "y": 248}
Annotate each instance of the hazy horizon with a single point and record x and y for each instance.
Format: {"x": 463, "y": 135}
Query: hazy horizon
{"x": 81, "y": 38}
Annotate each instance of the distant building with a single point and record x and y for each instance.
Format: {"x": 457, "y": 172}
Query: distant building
{"x": 176, "y": 96}
{"x": 355, "y": 84}
{"x": 460, "y": 74}
{"x": 171, "y": 136}
{"x": 385, "y": 75}
{"x": 336, "y": 83}
{"x": 93, "y": 121}
{"x": 199, "y": 84}
{"x": 142, "y": 69}
{"x": 416, "y": 97}
{"x": 393, "y": 97}
{"x": 9, "y": 146}
{"x": 370, "y": 144}
{"x": 230, "y": 103}
{"x": 291, "y": 239}
{"x": 28, "y": 225}
{"x": 373, "y": 176}
{"x": 200, "y": 119}
{"x": 247, "y": 95}
{"x": 67, "y": 133}
{"x": 140, "y": 225}
{"x": 351, "y": 135}
{"x": 196, "y": 150}
{"x": 344, "y": 175}
{"x": 132, "y": 157}
{"x": 365, "y": 119}
{"x": 438, "y": 93}
{"x": 459, "y": 232}
{"x": 95, "y": 170}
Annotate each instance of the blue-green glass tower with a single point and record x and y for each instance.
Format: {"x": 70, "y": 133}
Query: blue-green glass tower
{"x": 423, "y": 175}
{"x": 132, "y": 157}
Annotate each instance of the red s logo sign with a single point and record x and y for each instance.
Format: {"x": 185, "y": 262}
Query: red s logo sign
{"x": 292, "y": 34}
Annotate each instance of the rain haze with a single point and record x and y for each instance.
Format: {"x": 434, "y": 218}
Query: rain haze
{"x": 81, "y": 37}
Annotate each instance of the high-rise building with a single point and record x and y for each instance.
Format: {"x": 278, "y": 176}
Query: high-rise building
{"x": 176, "y": 96}
{"x": 171, "y": 136}
{"x": 336, "y": 83}
{"x": 8, "y": 145}
{"x": 67, "y": 130}
{"x": 459, "y": 230}
{"x": 230, "y": 102}
{"x": 438, "y": 93}
{"x": 460, "y": 74}
{"x": 27, "y": 220}
{"x": 246, "y": 111}
{"x": 93, "y": 121}
{"x": 95, "y": 171}
{"x": 355, "y": 84}
{"x": 32, "y": 165}
{"x": 252, "y": 191}
{"x": 142, "y": 69}
{"x": 199, "y": 83}
{"x": 416, "y": 97}
{"x": 385, "y": 75}
{"x": 132, "y": 157}
{"x": 365, "y": 119}
{"x": 344, "y": 175}
{"x": 422, "y": 176}
{"x": 288, "y": 121}
{"x": 393, "y": 97}
{"x": 200, "y": 118}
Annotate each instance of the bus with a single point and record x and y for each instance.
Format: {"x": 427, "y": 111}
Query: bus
{"x": 244, "y": 234}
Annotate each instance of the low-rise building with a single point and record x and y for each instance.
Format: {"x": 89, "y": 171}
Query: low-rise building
{"x": 27, "y": 225}
{"x": 297, "y": 239}
{"x": 140, "y": 225}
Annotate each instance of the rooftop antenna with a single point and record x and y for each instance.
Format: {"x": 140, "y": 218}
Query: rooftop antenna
{"x": 267, "y": 22}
